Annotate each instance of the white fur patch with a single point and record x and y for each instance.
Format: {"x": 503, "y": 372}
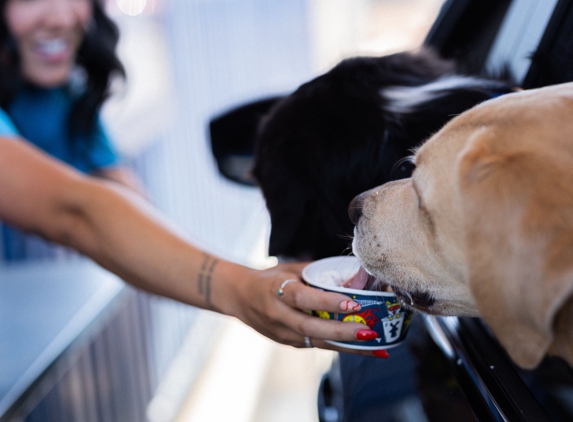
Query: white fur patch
{"x": 405, "y": 99}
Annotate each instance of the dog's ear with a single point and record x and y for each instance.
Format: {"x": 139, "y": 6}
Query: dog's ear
{"x": 518, "y": 221}
{"x": 233, "y": 135}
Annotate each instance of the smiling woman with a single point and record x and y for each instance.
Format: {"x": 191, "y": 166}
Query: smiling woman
{"x": 57, "y": 59}
{"x": 47, "y": 36}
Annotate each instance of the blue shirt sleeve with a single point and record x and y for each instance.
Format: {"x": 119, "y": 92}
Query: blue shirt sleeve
{"x": 7, "y": 127}
{"x": 102, "y": 152}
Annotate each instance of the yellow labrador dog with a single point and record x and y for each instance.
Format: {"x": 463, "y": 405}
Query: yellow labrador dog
{"x": 484, "y": 227}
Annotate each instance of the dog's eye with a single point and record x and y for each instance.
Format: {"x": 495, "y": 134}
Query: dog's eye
{"x": 403, "y": 169}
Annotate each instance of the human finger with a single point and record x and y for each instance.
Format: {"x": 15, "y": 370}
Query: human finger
{"x": 300, "y": 296}
{"x": 306, "y": 325}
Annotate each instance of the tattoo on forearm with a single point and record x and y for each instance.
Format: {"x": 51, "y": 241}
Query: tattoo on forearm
{"x": 204, "y": 278}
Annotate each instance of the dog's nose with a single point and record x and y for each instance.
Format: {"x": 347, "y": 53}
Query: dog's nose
{"x": 355, "y": 208}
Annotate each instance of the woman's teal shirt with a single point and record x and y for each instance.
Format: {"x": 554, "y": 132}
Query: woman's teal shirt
{"x": 40, "y": 116}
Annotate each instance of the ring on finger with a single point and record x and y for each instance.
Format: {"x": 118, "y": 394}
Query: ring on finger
{"x": 307, "y": 343}
{"x": 281, "y": 289}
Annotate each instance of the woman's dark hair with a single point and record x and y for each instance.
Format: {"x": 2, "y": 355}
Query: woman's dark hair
{"x": 96, "y": 55}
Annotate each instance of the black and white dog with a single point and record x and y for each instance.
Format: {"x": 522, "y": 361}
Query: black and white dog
{"x": 348, "y": 131}
{"x": 345, "y": 132}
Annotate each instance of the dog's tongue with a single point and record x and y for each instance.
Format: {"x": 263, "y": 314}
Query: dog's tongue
{"x": 360, "y": 280}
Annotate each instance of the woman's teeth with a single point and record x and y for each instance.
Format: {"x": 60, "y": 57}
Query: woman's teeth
{"x": 52, "y": 47}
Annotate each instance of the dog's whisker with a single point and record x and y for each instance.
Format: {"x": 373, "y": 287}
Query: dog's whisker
{"x": 346, "y": 236}
{"x": 409, "y": 297}
{"x": 347, "y": 250}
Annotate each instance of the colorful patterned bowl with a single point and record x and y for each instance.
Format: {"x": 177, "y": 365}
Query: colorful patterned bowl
{"x": 381, "y": 311}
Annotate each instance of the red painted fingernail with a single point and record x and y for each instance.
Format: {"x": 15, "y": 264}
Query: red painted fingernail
{"x": 366, "y": 335}
{"x": 381, "y": 354}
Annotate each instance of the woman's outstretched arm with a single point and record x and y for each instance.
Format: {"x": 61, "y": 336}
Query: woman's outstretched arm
{"x": 118, "y": 229}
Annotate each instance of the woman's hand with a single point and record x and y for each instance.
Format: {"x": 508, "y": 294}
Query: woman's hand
{"x": 283, "y": 317}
